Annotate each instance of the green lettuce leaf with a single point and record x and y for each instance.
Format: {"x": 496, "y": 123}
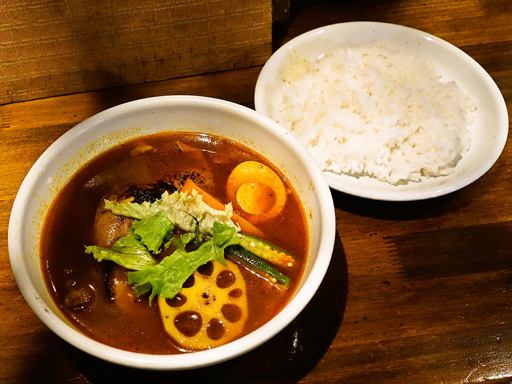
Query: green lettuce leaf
{"x": 130, "y": 244}
{"x": 128, "y": 252}
{"x": 181, "y": 241}
{"x": 187, "y": 211}
{"x": 133, "y": 251}
{"x": 223, "y": 236}
{"x": 167, "y": 277}
{"x": 152, "y": 231}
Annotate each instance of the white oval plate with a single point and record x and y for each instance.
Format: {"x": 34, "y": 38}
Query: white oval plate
{"x": 488, "y": 132}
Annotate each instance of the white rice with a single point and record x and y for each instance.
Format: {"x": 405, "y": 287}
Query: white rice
{"x": 374, "y": 110}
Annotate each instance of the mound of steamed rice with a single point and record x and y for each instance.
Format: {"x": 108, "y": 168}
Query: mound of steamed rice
{"x": 374, "y": 110}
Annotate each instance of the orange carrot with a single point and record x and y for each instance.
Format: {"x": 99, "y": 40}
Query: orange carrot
{"x": 246, "y": 226}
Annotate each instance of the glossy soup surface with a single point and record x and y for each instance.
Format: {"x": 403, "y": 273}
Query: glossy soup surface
{"x": 81, "y": 286}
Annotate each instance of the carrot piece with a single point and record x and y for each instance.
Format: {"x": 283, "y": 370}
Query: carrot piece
{"x": 246, "y": 226}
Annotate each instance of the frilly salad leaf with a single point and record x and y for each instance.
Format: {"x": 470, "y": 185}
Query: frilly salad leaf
{"x": 153, "y": 231}
{"x": 127, "y": 252}
{"x": 153, "y": 228}
{"x": 181, "y": 241}
{"x": 133, "y": 251}
{"x": 187, "y": 211}
{"x": 167, "y": 277}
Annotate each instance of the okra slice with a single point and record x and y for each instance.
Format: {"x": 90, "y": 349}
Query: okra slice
{"x": 256, "y": 264}
{"x": 267, "y": 251}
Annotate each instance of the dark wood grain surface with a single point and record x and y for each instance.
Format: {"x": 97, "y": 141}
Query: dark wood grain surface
{"x": 417, "y": 292}
{"x": 74, "y": 46}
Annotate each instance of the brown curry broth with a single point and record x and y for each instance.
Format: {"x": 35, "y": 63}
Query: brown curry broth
{"x": 69, "y": 226}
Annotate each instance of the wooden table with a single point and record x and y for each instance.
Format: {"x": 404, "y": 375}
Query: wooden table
{"x": 417, "y": 292}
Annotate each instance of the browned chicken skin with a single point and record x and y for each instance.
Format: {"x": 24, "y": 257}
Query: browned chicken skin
{"x": 109, "y": 227}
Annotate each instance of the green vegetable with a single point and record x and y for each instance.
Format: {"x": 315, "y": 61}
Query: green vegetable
{"x": 130, "y": 244}
{"x": 212, "y": 230}
{"x": 181, "y": 241}
{"x": 256, "y": 264}
{"x": 167, "y": 277}
{"x": 187, "y": 211}
{"x": 153, "y": 230}
{"x": 127, "y": 252}
{"x": 133, "y": 250}
{"x": 267, "y": 251}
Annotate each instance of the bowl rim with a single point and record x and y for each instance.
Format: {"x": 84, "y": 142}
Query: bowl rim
{"x": 187, "y": 360}
{"x": 336, "y": 181}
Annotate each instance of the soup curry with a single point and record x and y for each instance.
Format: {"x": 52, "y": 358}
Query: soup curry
{"x": 174, "y": 242}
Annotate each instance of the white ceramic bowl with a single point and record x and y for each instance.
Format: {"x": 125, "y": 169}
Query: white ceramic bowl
{"x": 488, "y": 132}
{"x": 146, "y": 116}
